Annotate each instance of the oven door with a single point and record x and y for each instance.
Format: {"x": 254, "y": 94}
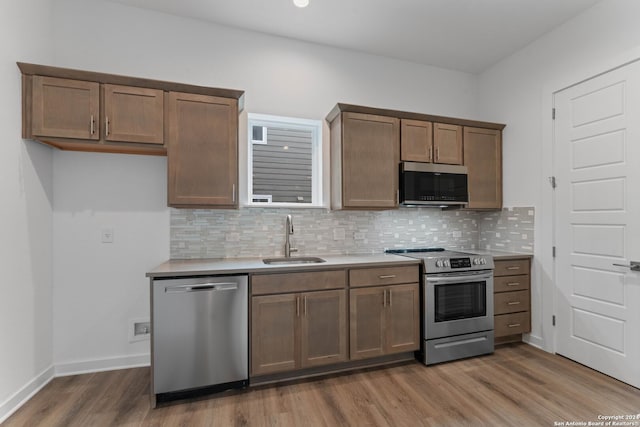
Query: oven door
{"x": 458, "y": 303}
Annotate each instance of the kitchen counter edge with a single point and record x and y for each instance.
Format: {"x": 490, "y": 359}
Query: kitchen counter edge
{"x": 219, "y": 266}
{"x": 501, "y": 255}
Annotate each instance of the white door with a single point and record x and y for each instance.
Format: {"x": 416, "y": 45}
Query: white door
{"x": 597, "y": 222}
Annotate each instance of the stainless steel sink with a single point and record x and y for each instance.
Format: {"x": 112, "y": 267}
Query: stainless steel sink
{"x": 294, "y": 260}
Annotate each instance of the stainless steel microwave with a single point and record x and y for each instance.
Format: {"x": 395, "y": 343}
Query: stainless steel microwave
{"x": 428, "y": 184}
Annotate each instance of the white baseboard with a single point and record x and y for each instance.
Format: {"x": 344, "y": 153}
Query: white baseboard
{"x": 534, "y": 340}
{"x": 99, "y": 365}
{"x": 13, "y": 403}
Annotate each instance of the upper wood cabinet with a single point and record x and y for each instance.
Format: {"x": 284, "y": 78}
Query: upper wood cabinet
{"x": 64, "y": 108}
{"x": 202, "y": 151}
{"x": 89, "y": 111}
{"x": 364, "y": 170}
{"x": 416, "y": 141}
{"x": 447, "y": 143}
{"x": 365, "y": 152}
{"x": 483, "y": 159}
{"x": 133, "y": 114}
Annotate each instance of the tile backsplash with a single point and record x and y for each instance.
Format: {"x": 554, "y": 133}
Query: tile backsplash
{"x": 259, "y": 232}
{"x": 510, "y": 229}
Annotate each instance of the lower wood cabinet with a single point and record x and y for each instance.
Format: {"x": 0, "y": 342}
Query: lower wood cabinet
{"x": 511, "y": 299}
{"x": 384, "y": 320}
{"x": 310, "y": 319}
{"x": 295, "y": 331}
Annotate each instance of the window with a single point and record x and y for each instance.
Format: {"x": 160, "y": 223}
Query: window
{"x": 285, "y": 157}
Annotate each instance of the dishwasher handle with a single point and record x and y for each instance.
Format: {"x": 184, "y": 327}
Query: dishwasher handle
{"x": 222, "y": 286}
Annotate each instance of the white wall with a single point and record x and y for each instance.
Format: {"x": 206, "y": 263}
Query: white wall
{"x": 517, "y": 91}
{"x": 25, "y": 214}
{"x": 98, "y": 287}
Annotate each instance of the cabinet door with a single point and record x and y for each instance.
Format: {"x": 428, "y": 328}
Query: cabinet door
{"x": 274, "y": 332}
{"x": 202, "y": 152}
{"x": 367, "y": 311}
{"x": 403, "y": 318}
{"x": 65, "y": 108}
{"x": 323, "y": 328}
{"x": 483, "y": 159}
{"x": 416, "y": 141}
{"x": 447, "y": 143}
{"x": 133, "y": 114}
{"x": 370, "y": 153}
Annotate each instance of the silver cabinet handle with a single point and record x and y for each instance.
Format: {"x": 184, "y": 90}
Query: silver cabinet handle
{"x": 93, "y": 122}
{"x": 437, "y": 154}
{"x": 304, "y": 306}
{"x": 431, "y": 154}
{"x": 106, "y": 126}
{"x": 388, "y": 276}
{"x": 233, "y": 193}
{"x": 633, "y": 265}
{"x": 513, "y": 303}
{"x": 297, "y": 306}
{"x": 513, "y": 325}
{"x": 390, "y": 301}
{"x": 384, "y": 297}
{"x": 516, "y": 267}
{"x": 513, "y": 284}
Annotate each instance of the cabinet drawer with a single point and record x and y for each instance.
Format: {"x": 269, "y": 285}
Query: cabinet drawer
{"x": 510, "y": 324}
{"x": 263, "y": 284}
{"x": 384, "y": 276}
{"x": 511, "y": 267}
{"x": 511, "y": 283}
{"x": 511, "y": 302}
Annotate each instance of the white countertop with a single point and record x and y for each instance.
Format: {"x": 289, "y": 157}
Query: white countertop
{"x": 498, "y": 255}
{"x": 200, "y": 267}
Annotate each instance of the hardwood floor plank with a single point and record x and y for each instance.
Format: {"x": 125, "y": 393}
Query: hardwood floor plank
{"x": 517, "y": 385}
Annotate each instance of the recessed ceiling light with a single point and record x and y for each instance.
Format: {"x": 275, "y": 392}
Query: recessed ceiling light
{"x": 301, "y": 3}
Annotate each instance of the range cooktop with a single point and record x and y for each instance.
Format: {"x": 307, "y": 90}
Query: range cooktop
{"x": 440, "y": 260}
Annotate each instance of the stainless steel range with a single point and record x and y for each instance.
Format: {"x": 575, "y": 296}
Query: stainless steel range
{"x": 457, "y": 309}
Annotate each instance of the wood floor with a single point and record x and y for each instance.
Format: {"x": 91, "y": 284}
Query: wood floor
{"x": 519, "y": 385}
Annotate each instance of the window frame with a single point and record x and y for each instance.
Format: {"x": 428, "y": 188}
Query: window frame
{"x": 265, "y": 120}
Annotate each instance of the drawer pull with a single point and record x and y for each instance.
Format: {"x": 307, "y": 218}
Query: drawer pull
{"x": 513, "y": 325}
{"x": 513, "y": 303}
{"x": 513, "y": 284}
{"x": 515, "y": 267}
{"x": 388, "y": 276}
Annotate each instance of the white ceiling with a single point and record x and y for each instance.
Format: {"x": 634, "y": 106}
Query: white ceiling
{"x": 465, "y": 35}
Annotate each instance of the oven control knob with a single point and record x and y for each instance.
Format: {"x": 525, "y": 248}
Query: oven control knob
{"x": 439, "y": 263}
{"x": 447, "y": 263}
{"x": 483, "y": 261}
{"x": 476, "y": 261}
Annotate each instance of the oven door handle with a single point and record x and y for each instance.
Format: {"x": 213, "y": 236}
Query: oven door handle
{"x": 459, "y": 278}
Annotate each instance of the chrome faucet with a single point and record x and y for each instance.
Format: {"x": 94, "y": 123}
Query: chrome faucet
{"x": 288, "y": 231}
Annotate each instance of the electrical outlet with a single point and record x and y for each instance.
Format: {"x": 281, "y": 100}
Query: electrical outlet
{"x": 107, "y": 235}
{"x": 139, "y": 329}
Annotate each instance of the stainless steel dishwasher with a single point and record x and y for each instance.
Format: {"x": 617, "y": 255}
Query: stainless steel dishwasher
{"x": 199, "y": 335}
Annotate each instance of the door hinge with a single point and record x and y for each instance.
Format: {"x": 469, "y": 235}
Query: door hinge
{"x": 553, "y": 114}
{"x": 553, "y": 251}
{"x": 552, "y": 181}
{"x": 553, "y": 320}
